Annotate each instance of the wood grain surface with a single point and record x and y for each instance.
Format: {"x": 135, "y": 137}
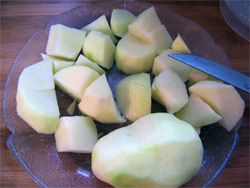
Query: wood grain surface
{"x": 21, "y": 18}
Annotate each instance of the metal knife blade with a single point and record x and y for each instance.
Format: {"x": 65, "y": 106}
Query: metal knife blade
{"x": 217, "y": 70}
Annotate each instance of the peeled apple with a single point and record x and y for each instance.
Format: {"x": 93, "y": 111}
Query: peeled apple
{"x": 157, "y": 150}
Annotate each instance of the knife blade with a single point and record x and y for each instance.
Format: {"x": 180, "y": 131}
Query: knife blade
{"x": 217, "y": 70}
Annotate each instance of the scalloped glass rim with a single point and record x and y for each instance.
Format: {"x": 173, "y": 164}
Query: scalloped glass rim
{"x": 200, "y": 42}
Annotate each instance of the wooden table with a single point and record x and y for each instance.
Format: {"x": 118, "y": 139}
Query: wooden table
{"x": 20, "y": 19}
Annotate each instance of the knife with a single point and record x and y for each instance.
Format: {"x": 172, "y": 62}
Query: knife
{"x": 217, "y": 70}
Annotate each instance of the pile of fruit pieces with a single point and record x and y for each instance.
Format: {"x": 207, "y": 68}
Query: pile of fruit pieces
{"x": 159, "y": 149}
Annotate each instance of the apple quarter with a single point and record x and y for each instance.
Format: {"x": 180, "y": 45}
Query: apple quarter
{"x": 65, "y": 42}
{"x": 98, "y": 102}
{"x": 169, "y": 90}
{"x": 133, "y": 95}
{"x": 75, "y": 79}
{"x": 100, "y": 24}
{"x": 99, "y": 48}
{"x": 197, "y": 113}
{"x": 120, "y": 19}
{"x": 180, "y": 46}
{"x": 76, "y": 134}
{"x": 163, "y": 61}
{"x": 224, "y": 100}
{"x": 39, "y": 109}
{"x": 134, "y": 55}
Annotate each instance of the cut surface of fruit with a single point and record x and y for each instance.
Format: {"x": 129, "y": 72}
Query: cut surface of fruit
{"x": 134, "y": 55}
{"x": 71, "y": 108}
{"x": 168, "y": 89}
{"x": 99, "y": 48}
{"x": 82, "y": 60}
{"x": 58, "y": 63}
{"x": 65, "y": 42}
{"x": 120, "y": 19}
{"x": 163, "y": 61}
{"x": 224, "y": 100}
{"x": 170, "y": 149}
{"x": 133, "y": 95}
{"x": 39, "y": 109}
{"x": 38, "y": 77}
{"x": 75, "y": 79}
{"x": 146, "y": 22}
{"x": 197, "y": 113}
{"x": 76, "y": 134}
{"x": 180, "y": 46}
{"x": 101, "y": 24}
{"x": 98, "y": 102}
{"x": 159, "y": 38}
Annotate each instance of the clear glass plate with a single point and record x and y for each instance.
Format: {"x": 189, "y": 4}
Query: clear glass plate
{"x": 36, "y": 152}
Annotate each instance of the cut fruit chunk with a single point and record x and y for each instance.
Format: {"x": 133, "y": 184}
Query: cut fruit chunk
{"x": 82, "y": 60}
{"x": 169, "y": 90}
{"x": 180, "y": 46}
{"x": 76, "y": 134}
{"x": 148, "y": 27}
{"x": 120, "y": 19}
{"x": 196, "y": 76}
{"x": 39, "y": 109}
{"x": 169, "y": 148}
{"x": 98, "y": 102}
{"x": 74, "y": 80}
{"x": 134, "y": 55}
{"x": 101, "y": 24}
{"x": 133, "y": 94}
{"x": 65, "y": 42}
{"x": 163, "y": 61}
{"x": 197, "y": 112}
{"x": 159, "y": 38}
{"x": 146, "y": 22}
{"x": 38, "y": 76}
{"x": 99, "y": 48}
{"x": 58, "y": 63}
{"x": 224, "y": 100}
{"x": 71, "y": 108}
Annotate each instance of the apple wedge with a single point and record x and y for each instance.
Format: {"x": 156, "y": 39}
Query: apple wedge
{"x": 58, "y": 63}
{"x": 100, "y": 49}
{"x": 170, "y": 91}
{"x": 146, "y": 22}
{"x": 75, "y": 79}
{"x": 224, "y": 100}
{"x": 76, "y": 134}
{"x": 157, "y": 150}
{"x": 100, "y": 24}
{"x": 98, "y": 102}
{"x": 163, "y": 61}
{"x": 180, "y": 46}
{"x": 159, "y": 38}
{"x": 133, "y": 95}
{"x": 39, "y": 109}
{"x": 65, "y": 42}
{"x": 120, "y": 19}
{"x": 82, "y": 60}
{"x": 197, "y": 113}
{"x": 134, "y": 55}
{"x": 38, "y": 77}
{"x": 147, "y": 27}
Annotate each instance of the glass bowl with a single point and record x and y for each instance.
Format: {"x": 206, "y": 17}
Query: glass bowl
{"x": 36, "y": 153}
